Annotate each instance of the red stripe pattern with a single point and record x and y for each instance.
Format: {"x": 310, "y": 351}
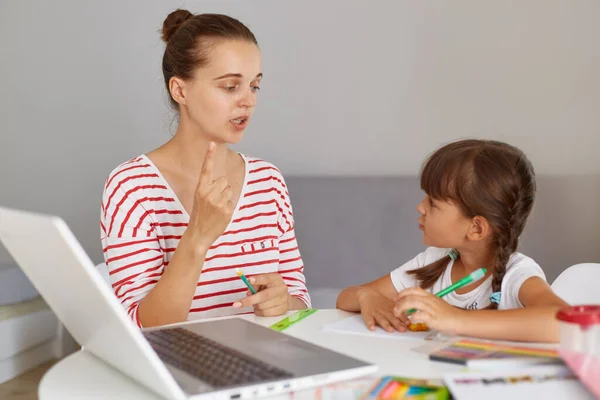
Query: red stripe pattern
{"x": 142, "y": 222}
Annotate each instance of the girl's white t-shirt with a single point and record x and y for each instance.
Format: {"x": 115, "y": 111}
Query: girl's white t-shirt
{"x": 518, "y": 270}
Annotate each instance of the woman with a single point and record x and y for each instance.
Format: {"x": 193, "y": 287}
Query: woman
{"x": 178, "y": 221}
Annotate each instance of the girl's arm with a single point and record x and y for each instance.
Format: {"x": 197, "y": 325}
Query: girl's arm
{"x": 534, "y": 323}
{"x": 348, "y": 299}
{"x": 374, "y": 300}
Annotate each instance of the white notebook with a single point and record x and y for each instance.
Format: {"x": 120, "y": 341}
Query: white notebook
{"x": 542, "y": 382}
{"x": 355, "y": 325}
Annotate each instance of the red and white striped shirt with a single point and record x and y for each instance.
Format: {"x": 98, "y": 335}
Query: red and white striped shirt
{"x": 142, "y": 222}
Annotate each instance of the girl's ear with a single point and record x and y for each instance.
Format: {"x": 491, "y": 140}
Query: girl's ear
{"x": 479, "y": 229}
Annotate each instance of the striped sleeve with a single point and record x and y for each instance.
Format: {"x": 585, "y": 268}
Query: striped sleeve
{"x": 291, "y": 267}
{"x": 131, "y": 247}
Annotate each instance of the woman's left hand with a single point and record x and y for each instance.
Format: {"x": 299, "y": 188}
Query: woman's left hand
{"x": 431, "y": 310}
{"x": 271, "y": 298}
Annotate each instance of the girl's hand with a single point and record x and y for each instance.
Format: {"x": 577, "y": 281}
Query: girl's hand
{"x": 376, "y": 309}
{"x": 271, "y": 298}
{"x": 431, "y": 310}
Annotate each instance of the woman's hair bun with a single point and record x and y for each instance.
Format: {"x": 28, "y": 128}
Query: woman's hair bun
{"x": 174, "y": 22}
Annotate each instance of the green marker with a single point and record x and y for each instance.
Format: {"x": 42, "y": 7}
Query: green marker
{"x": 292, "y": 319}
{"x": 472, "y": 277}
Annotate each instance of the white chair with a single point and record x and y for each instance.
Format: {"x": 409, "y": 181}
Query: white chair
{"x": 103, "y": 270}
{"x": 579, "y": 284}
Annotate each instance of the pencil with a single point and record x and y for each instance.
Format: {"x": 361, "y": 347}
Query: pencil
{"x": 243, "y": 278}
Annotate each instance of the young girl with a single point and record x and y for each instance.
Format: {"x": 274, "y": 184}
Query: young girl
{"x": 177, "y": 222}
{"x": 478, "y": 195}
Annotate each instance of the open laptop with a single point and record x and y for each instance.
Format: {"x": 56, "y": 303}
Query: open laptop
{"x": 222, "y": 359}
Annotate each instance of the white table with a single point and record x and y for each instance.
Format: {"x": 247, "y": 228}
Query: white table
{"x": 82, "y": 375}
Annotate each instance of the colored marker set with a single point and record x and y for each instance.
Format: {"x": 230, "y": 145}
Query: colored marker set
{"x": 394, "y": 388}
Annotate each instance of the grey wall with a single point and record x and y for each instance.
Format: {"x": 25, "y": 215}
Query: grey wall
{"x": 351, "y": 88}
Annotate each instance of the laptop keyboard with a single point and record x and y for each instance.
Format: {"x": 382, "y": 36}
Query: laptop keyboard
{"x": 213, "y": 363}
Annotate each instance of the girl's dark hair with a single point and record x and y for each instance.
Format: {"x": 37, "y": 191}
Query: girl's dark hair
{"x": 484, "y": 178}
{"x": 189, "y": 39}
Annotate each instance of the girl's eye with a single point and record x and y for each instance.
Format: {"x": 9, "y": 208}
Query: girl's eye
{"x": 431, "y": 202}
{"x": 255, "y": 89}
{"x": 230, "y": 88}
